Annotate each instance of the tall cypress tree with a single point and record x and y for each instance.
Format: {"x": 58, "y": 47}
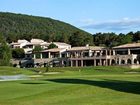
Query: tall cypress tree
{"x": 5, "y": 52}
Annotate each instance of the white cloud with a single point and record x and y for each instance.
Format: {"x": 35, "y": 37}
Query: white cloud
{"x": 114, "y": 25}
{"x": 87, "y": 21}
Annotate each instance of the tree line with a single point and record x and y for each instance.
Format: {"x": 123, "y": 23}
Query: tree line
{"x": 113, "y": 39}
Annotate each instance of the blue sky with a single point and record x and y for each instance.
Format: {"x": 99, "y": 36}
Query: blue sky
{"x": 90, "y": 15}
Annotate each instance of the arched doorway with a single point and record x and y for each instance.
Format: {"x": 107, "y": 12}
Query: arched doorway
{"x": 123, "y": 62}
{"x": 113, "y": 62}
{"x": 129, "y": 61}
{"x": 138, "y": 59}
{"x": 135, "y": 61}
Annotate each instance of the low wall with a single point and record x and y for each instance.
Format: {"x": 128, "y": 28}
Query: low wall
{"x": 130, "y": 66}
{"x": 134, "y": 66}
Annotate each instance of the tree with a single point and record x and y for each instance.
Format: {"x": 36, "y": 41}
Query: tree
{"x": 77, "y": 39}
{"x": 106, "y": 39}
{"x": 5, "y": 52}
{"x": 18, "y": 53}
{"x": 52, "y": 45}
{"x": 37, "y": 50}
{"x": 123, "y": 39}
{"x": 136, "y": 36}
{"x": 64, "y": 38}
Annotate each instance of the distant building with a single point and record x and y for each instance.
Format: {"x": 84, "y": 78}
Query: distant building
{"x": 19, "y": 44}
{"x": 62, "y": 45}
{"x": 51, "y": 54}
{"x": 65, "y": 55}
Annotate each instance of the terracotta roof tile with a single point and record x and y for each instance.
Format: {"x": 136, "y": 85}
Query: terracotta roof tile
{"x": 82, "y": 48}
{"x": 53, "y": 50}
{"x": 130, "y": 45}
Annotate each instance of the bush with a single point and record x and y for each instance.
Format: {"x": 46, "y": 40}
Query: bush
{"x": 18, "y": 53}
{"x": 52, "y": 45}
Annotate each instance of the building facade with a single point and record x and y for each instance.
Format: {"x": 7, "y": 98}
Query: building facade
{"x": 65, "y": 55}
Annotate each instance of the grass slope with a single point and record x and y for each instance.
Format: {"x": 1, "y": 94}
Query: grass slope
{"x": 87, "y": 86}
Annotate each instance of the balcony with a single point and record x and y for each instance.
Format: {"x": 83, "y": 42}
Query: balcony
{"x": 88, "y": 57}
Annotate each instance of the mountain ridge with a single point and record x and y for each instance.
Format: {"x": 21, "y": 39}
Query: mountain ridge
{"x": 21, "y": 26}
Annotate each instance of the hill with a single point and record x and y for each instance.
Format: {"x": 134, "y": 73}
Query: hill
{"x": 18, "y": 26}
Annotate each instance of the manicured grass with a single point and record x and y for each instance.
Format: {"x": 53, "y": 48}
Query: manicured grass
{"x": 14, "y": 71}
{"x": 75, "y": 86}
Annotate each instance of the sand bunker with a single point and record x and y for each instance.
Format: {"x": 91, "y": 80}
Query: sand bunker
{"x": 52, "y": 73}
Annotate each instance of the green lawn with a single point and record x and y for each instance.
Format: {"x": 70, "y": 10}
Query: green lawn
{"x": 14, "y": 71}
{"x": 73, "y": 86}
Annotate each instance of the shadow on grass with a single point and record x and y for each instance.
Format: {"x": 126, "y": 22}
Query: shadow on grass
{"x": 122, "y": 86}
{"x": 33, "y": 83}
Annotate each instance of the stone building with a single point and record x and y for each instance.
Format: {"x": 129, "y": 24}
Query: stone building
{"x": 127, "y": 54}
{"x": 65, "y": 55}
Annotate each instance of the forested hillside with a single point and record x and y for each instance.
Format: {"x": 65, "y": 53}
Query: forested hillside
{"x": 19, "y": 26}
